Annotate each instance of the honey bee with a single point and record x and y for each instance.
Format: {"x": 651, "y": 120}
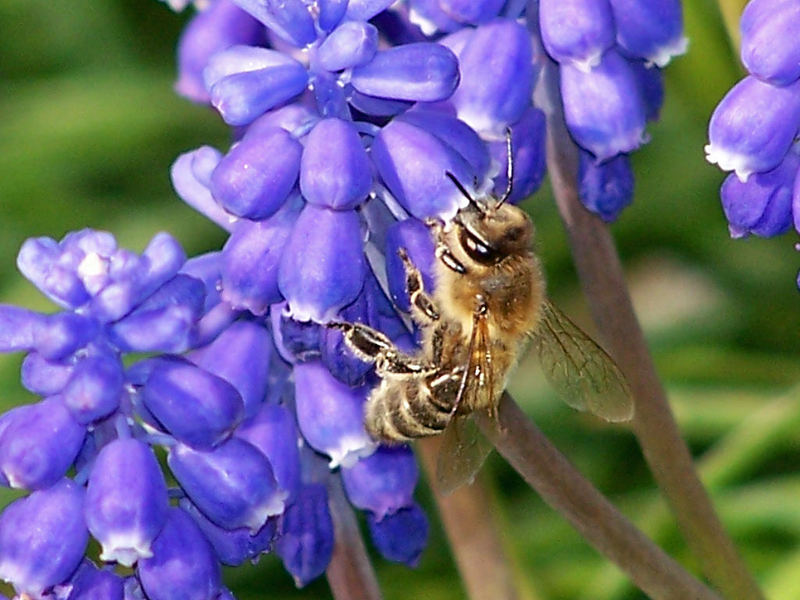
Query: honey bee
{"x": 488, "y": 305}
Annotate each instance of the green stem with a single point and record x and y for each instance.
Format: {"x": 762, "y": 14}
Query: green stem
{"x": 603, "y": 281}
{"x": 731, "y": 10}
{"x": 559, "y": 484}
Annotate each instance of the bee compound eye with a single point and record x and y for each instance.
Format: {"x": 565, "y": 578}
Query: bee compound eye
{"x": 477, "y": 250}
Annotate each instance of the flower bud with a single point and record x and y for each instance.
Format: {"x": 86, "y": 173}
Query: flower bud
{"x": 43, "y": 377}
{"x": 90, "y": 583}
{"x": 382, "y": 482}
{"x": 576, "y": 31}
{"x": 254, "y": 179}
{"x": 401, "y": 536}
{"x": 191, "y": 178}
{"x": 496, "y": 79}
{"x": 42, "y": 538}
{"x": 232, "y": 484}
{"x": 165, "y": 321}
{"x": 62, "y": 334}
{"x": 471, "y": 11}
{"x": 651, "y": 30}
{"x": 183, "y": 564}
{"x": 363, "y": 10}
{"x": 39, "y": 442}
{"x": 331, "y": 414}
{"x": 420, "y": 72}
{"x": 196, "y": 407}
{"x": 335, "y": 171}
{"x": 126, "y": 501}
{"x": 331, "y": 13}
{"x": 244, "y": 82}
{"x": 352, "y": 44}
{"x": 763, "y": 204}
{"x": 770, "y": 44}
{"x": 274, "y": 432}
{"x": 38, "y": 261}
{"x": 288, "y": 19}
{"x": 430, "y": 18}
{"x": 95, "y": 387}
{"x": 240, "y": 356}
{"x": 233, "y": 546}
{"x": 220, "y": 26}
{"x": 605, "y": 188}
{"x": 17, "y": 328}
{"x": 413, "y": 236}
{"x": 413, "y": 164}
{"x": 322, "y": 267}
{"x": 251, "y": 258}
{"x": 603, "y": 109}
{"x": 753, "y": 127}
{"x": 306, "y": 541}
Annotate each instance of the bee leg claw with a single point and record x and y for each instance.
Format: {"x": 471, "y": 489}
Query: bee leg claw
{"x": 365, "y": 342}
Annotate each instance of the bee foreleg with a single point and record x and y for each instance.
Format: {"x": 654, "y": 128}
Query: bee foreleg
{"x": 423, "y": 306}
{"x": 367, "y": 343}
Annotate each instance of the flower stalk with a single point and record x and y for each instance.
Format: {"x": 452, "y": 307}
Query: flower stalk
{"x": 667, "y": 455}
{"x": 559, "y": 484}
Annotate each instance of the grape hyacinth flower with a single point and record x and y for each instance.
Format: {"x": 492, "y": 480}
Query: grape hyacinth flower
{"x": 752, "y": 131}
{"x": 348, "y": 120}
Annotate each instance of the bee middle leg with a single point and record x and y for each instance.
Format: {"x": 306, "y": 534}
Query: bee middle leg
{"x": 371, "y": 345}
{"x": 442, "y": 251}
{"x": 423, "y": 307}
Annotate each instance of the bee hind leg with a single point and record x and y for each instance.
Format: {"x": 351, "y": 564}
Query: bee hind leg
{"x": 423, "y": 307}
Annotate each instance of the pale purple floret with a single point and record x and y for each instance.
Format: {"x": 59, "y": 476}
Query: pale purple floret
{"x": 770, "y": 44}
{"x": 91, "y": 583}
{"x": 577, "y": 31}
{"x": 383, "y": 482}
{"x": 651, "y": 30}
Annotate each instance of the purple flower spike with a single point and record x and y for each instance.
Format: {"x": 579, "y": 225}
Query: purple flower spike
{"x": 331, "y": 414}
{"x": 244, "y": 82}
{"x": 183, "y": 564}
{"x": 38, "y": 444}
{"x": 323, "y": 266}
{"x": 651, "y": 30}
{"x": 254, "y": 179}
{"x": 421, "y": 72}
{"x": 605, "y": 188}
{"x": 240, "y": 356}
{"x": 191, "y": 178}
{"x": 604, "y": 109}
{"x": 413, "y": 162}
{"x": 770, "y": 44}
{"x": 416, "y": 239}
{"x": 17, "y": 328}
{"x": 306, "y": 542}
{"x": 233, "y": 546}
{"x": 43, "y": 538}
{"x": 95, "y": 388}
{"x": 220, "y": 26}
{"x": 383, "y": 482}
{"x": 496, "y": 79}
{"x": 401, "y": 536}
{"x": 126, "y": 501}
{"x": 274, "y": 432}
{"x": 352, "y": 44}
{"x": 43, "y": 377}
{"x": 232, "y": 485}
{"x": 528, "y": 146}
{"x": 577, "y": 31}
{"x": 289, "y": 19}
{"x": 335, "y": 170}
{"x": 251, "y": 257}
{"x": 753, "y": 127}
{"x": 90, "y": 583}
{"x": 198, "y": 408}
{"x": 763, "y": 204}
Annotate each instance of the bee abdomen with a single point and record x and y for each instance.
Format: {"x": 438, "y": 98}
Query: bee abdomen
{"x": 402, "y": 411}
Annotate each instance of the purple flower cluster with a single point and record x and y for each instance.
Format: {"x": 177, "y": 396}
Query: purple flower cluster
{"x": 348, "y": 118}
{"x": 753, "y": 129}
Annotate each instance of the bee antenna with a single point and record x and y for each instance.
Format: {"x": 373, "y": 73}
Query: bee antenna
{"x": 509, "y": 169}
{"x": 464, "y": 192}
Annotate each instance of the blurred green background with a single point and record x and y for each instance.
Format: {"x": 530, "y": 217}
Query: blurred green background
{"x": 89, "y": 126}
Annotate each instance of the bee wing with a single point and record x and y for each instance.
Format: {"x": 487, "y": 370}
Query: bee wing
{"x": 582, "y": 373}
{"x": 464, "y": 450}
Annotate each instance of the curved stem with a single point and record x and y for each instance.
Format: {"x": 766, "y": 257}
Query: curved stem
{"x": 350, "y": 573}
{"x": 473, "y": 534}
{"x": 560, "y": 484}
{"x": 603, "y": 281}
